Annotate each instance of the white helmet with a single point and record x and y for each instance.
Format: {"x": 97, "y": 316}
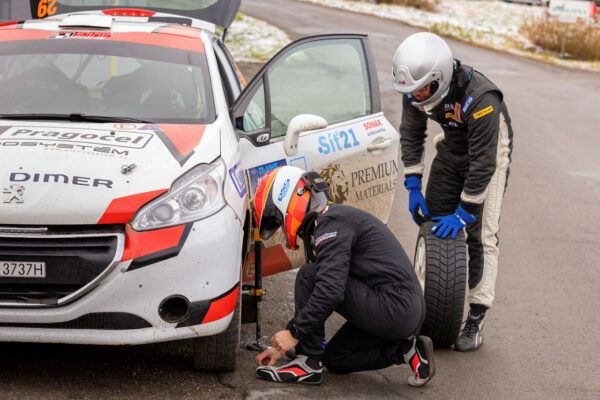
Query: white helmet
{"x": 420, "y": 59}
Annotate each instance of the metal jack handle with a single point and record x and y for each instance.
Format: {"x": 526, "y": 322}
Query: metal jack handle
{"x": 258, "y": 291}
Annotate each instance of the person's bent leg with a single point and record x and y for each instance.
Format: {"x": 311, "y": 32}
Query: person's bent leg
{"x": 445, "y": 181}
{"x": 352, "y": 350}
{"x": 311, "y": 345}
{"x": 381, "y": 331}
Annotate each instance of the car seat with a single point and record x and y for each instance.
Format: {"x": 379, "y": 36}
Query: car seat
{"x": 43, "y": 90}
{"x": 153, "y": 91}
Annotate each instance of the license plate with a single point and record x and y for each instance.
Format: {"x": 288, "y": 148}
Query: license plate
{"x": 22, "y": 269}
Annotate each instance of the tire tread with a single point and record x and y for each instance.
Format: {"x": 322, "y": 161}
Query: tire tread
{"x": 445, "y": 286}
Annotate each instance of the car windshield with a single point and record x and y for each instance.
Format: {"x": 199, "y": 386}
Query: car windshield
{"x": 105, "y": 78}
{"x": 152, "y": 4}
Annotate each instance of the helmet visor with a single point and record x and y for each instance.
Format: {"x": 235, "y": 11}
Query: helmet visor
{"x": 269, "y": 227}
{"x": 271, "y": 221}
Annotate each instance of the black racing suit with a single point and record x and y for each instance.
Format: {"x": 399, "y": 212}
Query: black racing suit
{"x": 362, "y": 272}
{"x": 470, "y": 168}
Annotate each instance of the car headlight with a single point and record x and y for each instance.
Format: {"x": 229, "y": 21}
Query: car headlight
{"x": 196, "y": 195}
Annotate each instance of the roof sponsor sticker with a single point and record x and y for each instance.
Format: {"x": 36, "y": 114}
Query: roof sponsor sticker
{"x": 80, "y": 35}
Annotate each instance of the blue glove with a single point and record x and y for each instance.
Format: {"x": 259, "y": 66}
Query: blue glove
{"x": 452, "y": 223}
{"x": 416, "y": 200}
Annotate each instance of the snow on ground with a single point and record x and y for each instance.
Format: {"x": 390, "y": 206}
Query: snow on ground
{"x": 253, "y": 40}
{"x": 493, "y": 24}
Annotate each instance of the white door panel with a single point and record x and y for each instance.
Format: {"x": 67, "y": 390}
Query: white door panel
{"x": 360, "y": 164}
{"x": 333, "y": 77}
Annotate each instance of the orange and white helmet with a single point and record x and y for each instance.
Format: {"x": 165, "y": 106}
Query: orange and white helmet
{"x": 284, "y": 197}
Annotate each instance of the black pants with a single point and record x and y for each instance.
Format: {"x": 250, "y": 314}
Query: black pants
{"x": 444, "y": 187}
{"x": 375, "y": 336}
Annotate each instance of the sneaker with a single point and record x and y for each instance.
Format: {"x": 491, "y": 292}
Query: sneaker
{"x": 471, "y": 336}
{"x": 421, "y": 361}
{"x": 296, "y": 371}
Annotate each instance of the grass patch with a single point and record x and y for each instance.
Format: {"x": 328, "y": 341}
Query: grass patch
{"x": 582, "y": 40}
{"x": 255, "y": 41}
{"x": 425, "y": 5}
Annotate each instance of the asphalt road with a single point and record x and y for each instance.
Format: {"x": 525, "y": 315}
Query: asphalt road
{"x": 542, "y": 336}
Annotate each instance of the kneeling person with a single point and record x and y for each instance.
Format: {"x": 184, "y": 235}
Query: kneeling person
{"x": 356, "y": 267}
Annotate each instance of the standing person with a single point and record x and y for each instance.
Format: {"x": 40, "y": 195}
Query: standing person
{"x": 357, "y": 268}
{"x": 470, "y": 170}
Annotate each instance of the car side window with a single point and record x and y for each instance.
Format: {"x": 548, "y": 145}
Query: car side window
{"x": 326, "y": 78}
{"x": 254, "y": 116}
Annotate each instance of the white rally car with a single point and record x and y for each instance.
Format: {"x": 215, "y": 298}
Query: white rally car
{"x": 130, "y": 147}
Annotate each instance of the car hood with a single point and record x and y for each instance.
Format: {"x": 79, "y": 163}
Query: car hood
{"x": 82, "y": 173}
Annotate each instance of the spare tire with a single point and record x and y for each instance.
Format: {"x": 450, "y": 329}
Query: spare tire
{"x": 441, "y": 267}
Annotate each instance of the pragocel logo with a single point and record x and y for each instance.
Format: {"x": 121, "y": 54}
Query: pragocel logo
{"x": 13, "y": 194}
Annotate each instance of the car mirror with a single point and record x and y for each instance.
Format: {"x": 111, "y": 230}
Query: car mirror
{"x": 298, "y": 124}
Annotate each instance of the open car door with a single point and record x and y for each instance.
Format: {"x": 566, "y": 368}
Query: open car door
{"x": 218, "y": 12}
{"x": 332, "y": 77}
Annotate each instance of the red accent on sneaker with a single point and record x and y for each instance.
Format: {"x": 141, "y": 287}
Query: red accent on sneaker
{"x": 294, "y": 370}
{"x": 415, "y": 364}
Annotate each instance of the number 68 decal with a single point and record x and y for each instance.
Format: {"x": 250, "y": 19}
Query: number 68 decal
{"x": 46, "y": 7}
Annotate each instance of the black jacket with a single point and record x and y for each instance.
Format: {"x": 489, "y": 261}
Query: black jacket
{"x": 352, "y": 242}
{"x": 470, "y": 117}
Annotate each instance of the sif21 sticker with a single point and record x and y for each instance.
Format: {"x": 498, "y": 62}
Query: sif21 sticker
{"x": 337, "y": 141}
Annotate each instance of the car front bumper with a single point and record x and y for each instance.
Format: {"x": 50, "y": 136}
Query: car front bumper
{"x": 124, "y": 307}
